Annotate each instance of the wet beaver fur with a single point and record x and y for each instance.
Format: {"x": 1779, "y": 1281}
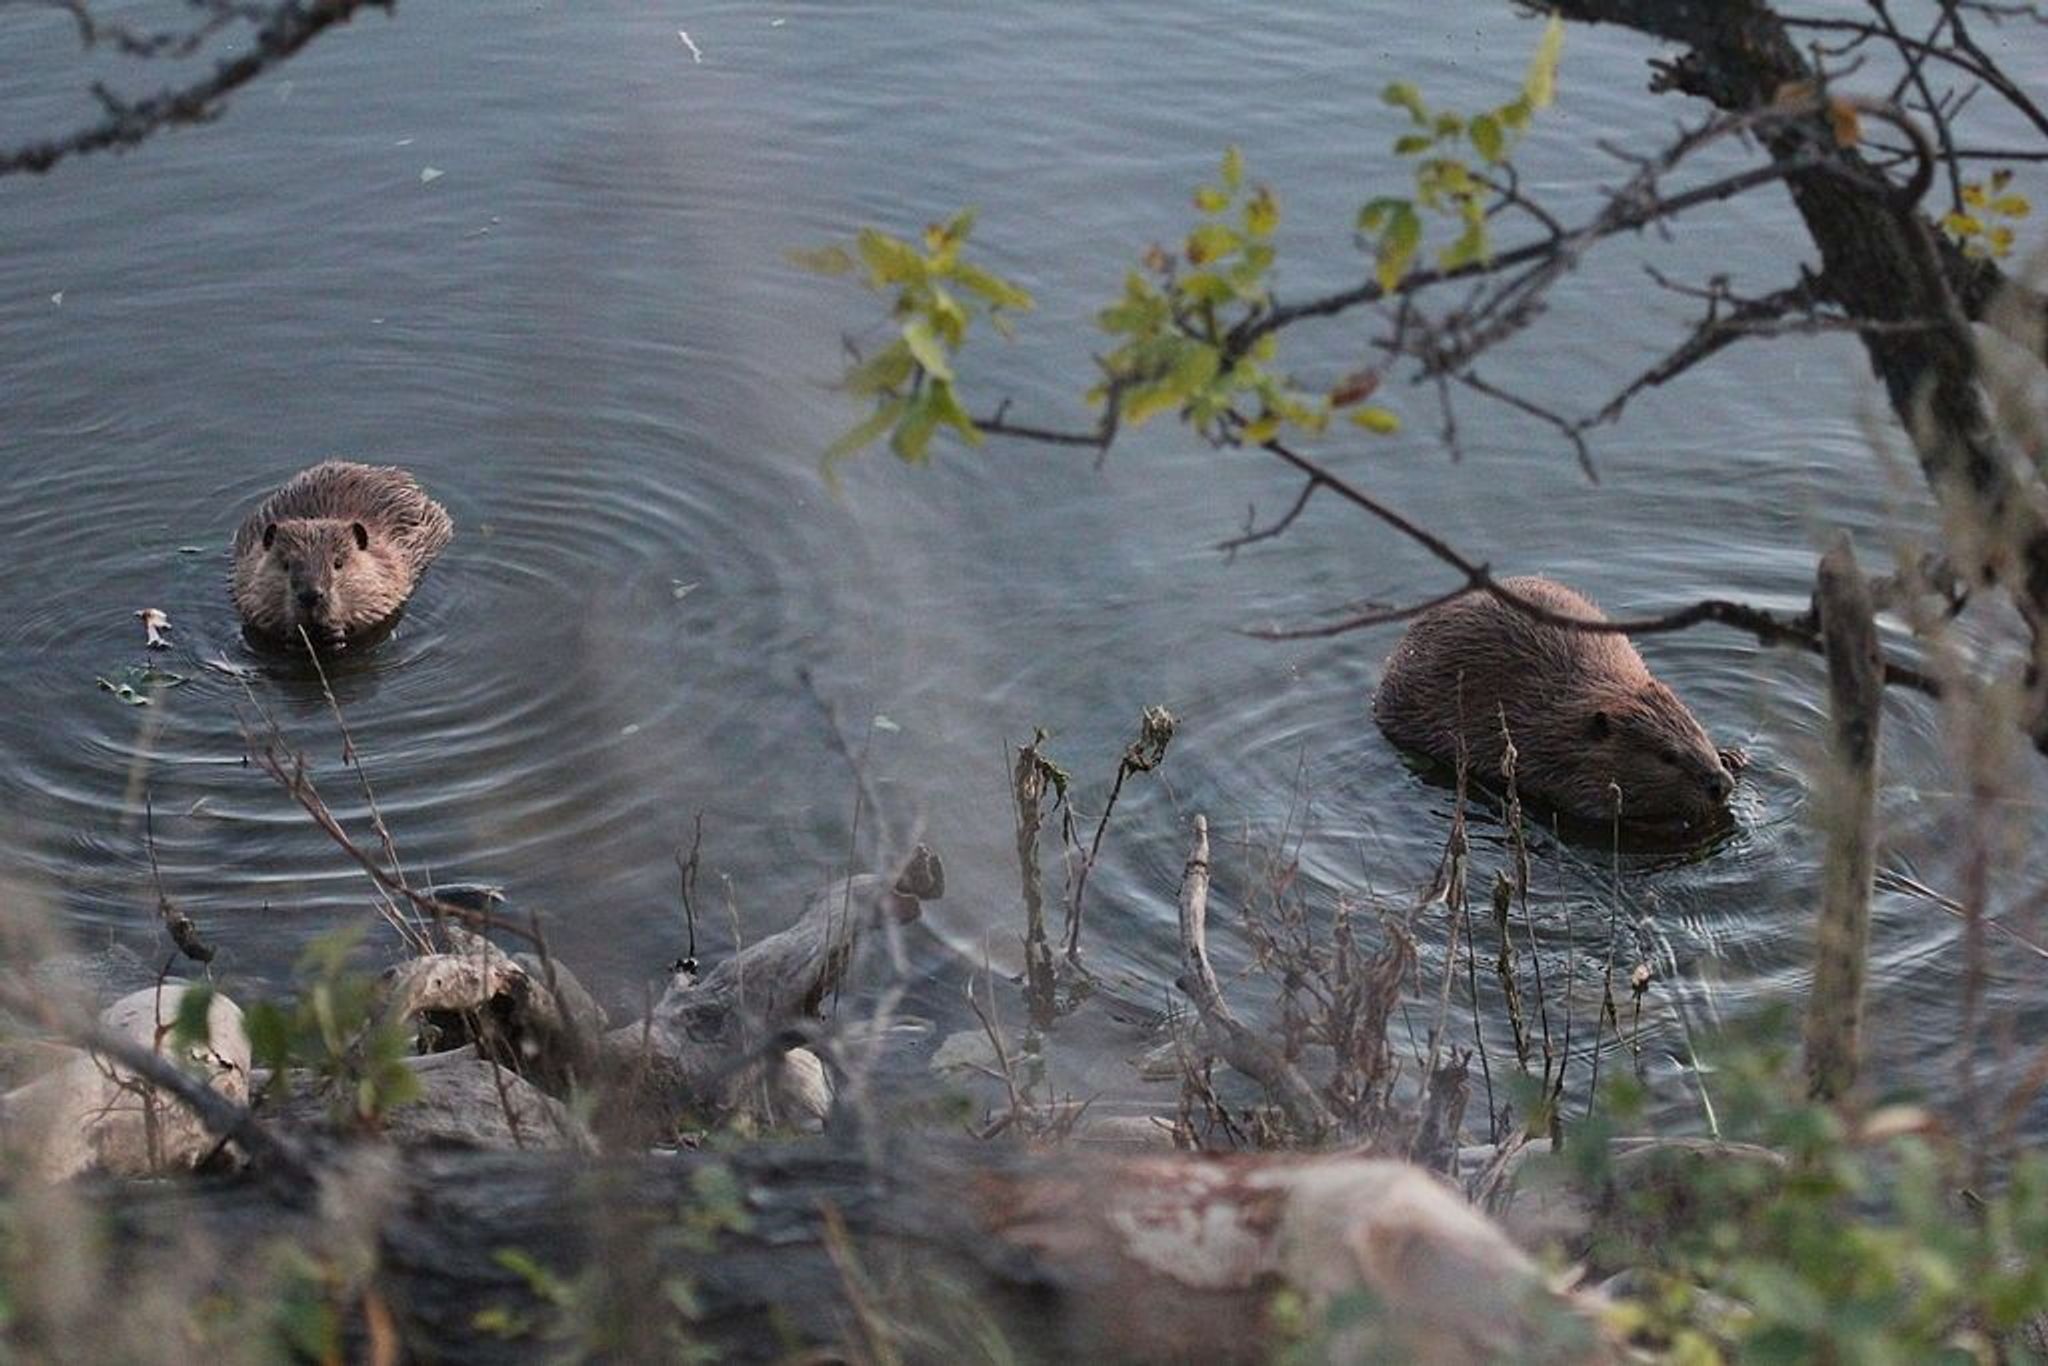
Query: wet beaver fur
{"x": 337, "y": 551}
{"x": 1582, "y": 708}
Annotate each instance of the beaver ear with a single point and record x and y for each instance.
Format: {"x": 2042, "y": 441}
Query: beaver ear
{"x": 269, "y": 534}
{"x": 362, "y": 534}
{"x": 1598, "y": 725}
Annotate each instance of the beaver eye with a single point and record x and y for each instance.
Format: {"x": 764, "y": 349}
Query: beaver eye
{"x": 337, "y": 561}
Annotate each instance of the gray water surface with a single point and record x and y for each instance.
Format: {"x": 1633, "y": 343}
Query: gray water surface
{"x": 584, "y": 337}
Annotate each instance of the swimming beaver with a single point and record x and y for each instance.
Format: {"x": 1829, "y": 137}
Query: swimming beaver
{"x": 1582, "y": 708}
{"x": 337, "y": 550}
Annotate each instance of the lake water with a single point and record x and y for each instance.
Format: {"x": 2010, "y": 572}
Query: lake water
{"x": 536, "y": 254}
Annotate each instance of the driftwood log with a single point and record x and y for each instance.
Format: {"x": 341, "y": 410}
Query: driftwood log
{"x": 921, "y": 1251}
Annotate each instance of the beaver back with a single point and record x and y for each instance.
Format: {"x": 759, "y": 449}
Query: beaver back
{"x": 1585, "y": 714}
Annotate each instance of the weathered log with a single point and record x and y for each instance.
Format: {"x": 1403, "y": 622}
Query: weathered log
{"x": 925, "y": 1252}
{"x": 465, "y": 1100}
{"x": 1847, "y": 801}
{"x": 723, "y": 1043}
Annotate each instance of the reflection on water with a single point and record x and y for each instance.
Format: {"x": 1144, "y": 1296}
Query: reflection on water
{"x": 584, "y": 339}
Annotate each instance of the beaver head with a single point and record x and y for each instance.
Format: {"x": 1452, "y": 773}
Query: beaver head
{"x": 1647, "y": 742}
{"x": 315, "y": 573}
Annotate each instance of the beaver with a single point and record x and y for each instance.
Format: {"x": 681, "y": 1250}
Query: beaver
{"x": 1581, "y": 706}
{"x": 336, "y": 550}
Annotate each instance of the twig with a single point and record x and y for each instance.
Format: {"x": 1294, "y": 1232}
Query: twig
{"x": 1241, "y": 1048}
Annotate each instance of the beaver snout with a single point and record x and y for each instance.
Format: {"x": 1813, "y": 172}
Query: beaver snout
{"x": 1719, "y": 785}
{"x": 312, "y": 599}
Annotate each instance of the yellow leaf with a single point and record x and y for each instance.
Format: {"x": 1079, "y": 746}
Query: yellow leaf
{"x": 1973, "y": 194}
{"x": 1540, "y": 85}
{"x": 1380, "y": 421}
{"x": 1233, "y": 168}
{"x": 1962, "y": 224}
{"x": 1261, "y": 430}
{"x": 2011, "y": 205}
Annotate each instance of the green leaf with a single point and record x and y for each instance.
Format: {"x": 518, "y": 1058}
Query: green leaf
{"x": 1233, "y": 168}
{"x": 1207, "y": 287}
{"x": 270, "y": 1036}
{"x": 1515, "y": 113}
{"x": 1406, "y": 96}
{"x": 1539, "y": 87}
{"x": 1142, "y": 405}
{"x": 824, "y": 261}
{"x": 1376, "y": 212}
{"x": 949, "y": 319}
{"x": 1209, "y": 199}
{"x": 1408, "y": 144}
{"x": 1449, "y": 125}
{"x": 1470, "y": 246}
{"x": 929, "y": 351}
{"x": 1262, "y": 213}
{"x": 1398, "y": 245}
{"x": 914, "y": 434}
{"x": 1211, "y": 242}
{"x": 1378, "y": 420}
{"x": 867, "y": 430}
{"x": 884, "y": 372}
{"x": 890, "y": 260}
{"x": 998, "y": 292}
{"x": 191, "y": 1028}
{"x": 1195, "y": 368}
{"x": 947, "y": 405}
{"x": 1261, "y": 430}
{"x": 1487, "y": 138}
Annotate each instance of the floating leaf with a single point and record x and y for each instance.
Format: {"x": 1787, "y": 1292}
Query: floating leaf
{"x": 824, "y": 261}
{"x": 156, "y": 627}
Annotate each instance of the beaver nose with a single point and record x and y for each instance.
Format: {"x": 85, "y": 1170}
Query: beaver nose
{"x": 310, "y": 598}
{"x": 1719, "y": 785}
